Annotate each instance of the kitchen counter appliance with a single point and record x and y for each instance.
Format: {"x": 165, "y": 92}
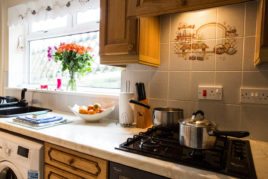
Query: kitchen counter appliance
{"x": 229, "y": 156}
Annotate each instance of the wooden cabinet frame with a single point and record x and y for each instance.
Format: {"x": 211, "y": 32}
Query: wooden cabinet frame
{"x": 261, "y": 49}
{"x": 160, "y": 7}
{"x": 127, "y": 40}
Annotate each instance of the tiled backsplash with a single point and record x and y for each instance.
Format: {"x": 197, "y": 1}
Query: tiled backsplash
{"x": 175, "y": 82}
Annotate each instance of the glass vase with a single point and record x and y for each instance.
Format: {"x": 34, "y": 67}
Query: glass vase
{"x": 72, "y": 82}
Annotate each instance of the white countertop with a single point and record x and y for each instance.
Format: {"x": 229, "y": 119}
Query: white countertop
{"x": 100, "y": 140}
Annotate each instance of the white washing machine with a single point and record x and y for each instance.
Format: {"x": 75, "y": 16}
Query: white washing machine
{"x": 20, "y": 158}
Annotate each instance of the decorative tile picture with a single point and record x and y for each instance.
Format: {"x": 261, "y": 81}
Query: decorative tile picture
{"x": 190, "y": 43}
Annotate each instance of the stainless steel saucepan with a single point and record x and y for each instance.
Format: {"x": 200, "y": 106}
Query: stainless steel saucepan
{"x": 200, "y": 133}
{"x": 167, "y": 117}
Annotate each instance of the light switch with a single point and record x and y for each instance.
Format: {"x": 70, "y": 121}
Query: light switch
{"x": 210, "y": 92}
{"x": 254, "y": 95}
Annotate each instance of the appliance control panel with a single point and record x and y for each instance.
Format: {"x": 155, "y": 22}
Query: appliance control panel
{"x": 254, "y": 95}
{"x": 206, "y": 92}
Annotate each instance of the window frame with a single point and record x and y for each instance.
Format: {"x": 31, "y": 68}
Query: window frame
{"x": 71, "y": 29}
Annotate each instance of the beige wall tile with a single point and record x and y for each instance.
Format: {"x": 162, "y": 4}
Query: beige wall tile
{"x": 200, "y": 78}
{"x": 177, "y": 61}
{"x": 232, "y": 15}
{"x": 139, "y": 76}
{"x": 164, "y": 57}
{"x": 249, "y": 50}
{"x": 164, "y": 28}
{"x": 157, "y": 103}
{"x": 208, "y": 64}
{"x": 179, "y": 86}
{"x": 251, "y": 14}
{"x": 227, "y": 117}
{"x": 207, "y": 16}
{"x": 187, "y": 107}
{"x": 231, "y": 82}
{"x": 254, "y": 119}
{"x": 159, "y": 85}
{"x": 225, "y": 62}
{"x": 208, "y": 107}
{"x": 255, "y": 79}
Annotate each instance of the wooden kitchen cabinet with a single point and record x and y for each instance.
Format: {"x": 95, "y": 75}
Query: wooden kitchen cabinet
{"x": 126, "y": 40}
{"x": 65, "y": 163}
{"x": 160, "y": 7}
{"x": 261, "y": 53}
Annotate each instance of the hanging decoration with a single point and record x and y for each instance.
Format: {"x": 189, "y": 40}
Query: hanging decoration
{"x": 41, "y": 10}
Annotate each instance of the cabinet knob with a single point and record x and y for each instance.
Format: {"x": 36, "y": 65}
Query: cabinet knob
{"x": 71, "y": 161}
{"x": 183, "y": 2}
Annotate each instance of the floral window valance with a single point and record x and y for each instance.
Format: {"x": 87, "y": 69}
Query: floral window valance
{"x": 43, "y": 9}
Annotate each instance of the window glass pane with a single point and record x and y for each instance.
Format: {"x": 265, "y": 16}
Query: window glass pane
{"x": 49, "y": 24}
{"x": 41, "y": 69}
{"x": 92, "y": 15}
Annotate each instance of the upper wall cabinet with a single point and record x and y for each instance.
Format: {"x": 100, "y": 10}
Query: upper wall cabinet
{"x": 261, "y": 54}
{"x": 126, "y": 40}
{"x": 159, "y": 7}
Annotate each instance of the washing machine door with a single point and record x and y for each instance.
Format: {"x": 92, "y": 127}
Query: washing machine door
{"x": 9, "y": 171}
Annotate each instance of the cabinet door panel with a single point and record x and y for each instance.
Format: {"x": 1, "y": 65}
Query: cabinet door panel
{"x": 115, "y": 28}
{"x": 75, "y": 162}
{"x": 55, "y": 173}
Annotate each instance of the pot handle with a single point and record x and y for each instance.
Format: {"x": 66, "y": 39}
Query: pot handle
{"x": 238, "y": 134}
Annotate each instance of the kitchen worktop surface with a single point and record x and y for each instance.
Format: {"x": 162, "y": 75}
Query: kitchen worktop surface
{"x": 100, "y": 139}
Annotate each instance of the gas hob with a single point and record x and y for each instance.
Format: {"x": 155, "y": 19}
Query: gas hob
{"x": 228, "y": 156}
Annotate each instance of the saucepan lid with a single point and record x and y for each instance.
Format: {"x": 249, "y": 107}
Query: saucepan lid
{"x": 198, "y": 120}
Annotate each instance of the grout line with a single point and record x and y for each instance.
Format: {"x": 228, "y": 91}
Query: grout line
{"x": 169, "y": 59}
{"x": 242, "y": 72}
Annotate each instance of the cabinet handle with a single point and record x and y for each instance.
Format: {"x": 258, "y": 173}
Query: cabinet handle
{"x": 138, "y": 3}
{"x": 183, "y": 2}
{"x": 118, "y": 170}
{"x": 71, "y": 161}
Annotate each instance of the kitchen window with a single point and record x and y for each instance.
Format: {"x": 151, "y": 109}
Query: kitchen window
{"x": 29, "y": 42}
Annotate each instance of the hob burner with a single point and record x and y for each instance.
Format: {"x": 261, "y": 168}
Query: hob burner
{"x": 149, "y": 144}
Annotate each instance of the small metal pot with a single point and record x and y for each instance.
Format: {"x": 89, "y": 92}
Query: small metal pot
{"x": 200, "y": 133}
{"x": 167, "y": 117}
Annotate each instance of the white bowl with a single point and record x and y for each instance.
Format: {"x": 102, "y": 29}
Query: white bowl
{"x": 91, "y": 117}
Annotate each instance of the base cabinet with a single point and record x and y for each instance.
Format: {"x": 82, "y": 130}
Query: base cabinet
{"x": 65, "y": 163}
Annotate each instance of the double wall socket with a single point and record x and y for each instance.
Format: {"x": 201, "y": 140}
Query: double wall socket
{"x": 254, "y": 95}
{"x": 210, "y": 92}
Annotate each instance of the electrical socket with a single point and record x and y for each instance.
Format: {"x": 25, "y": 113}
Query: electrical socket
{"x": 254, "y": 95}
{"x": 206, "y": 92}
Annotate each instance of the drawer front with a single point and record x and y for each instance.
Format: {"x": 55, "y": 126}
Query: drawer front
{"x": 55, "y": 173}
{"x": 75, "y": 162}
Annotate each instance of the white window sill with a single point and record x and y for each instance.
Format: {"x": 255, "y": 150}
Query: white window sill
{"x": 94, "y": 92}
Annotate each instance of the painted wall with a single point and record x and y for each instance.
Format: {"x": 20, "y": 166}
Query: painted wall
{"x": 230, "y": 30}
